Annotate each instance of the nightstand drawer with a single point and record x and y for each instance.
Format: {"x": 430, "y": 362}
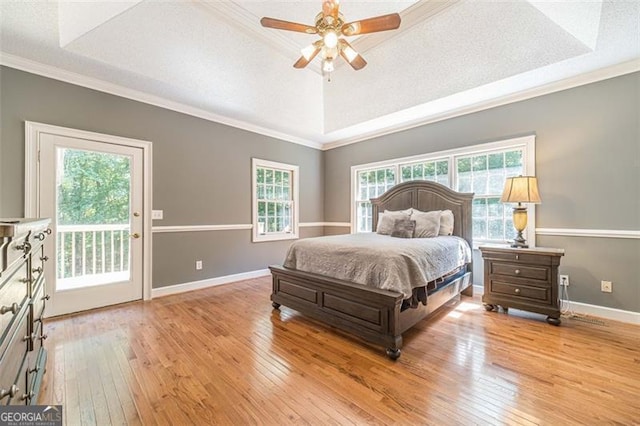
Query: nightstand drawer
{"x": 526, "y": 292}
{"x": 531, "y": 258}
{"x": 517, "y": 270}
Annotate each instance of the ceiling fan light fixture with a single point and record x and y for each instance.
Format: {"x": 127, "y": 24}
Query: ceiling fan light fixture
{"x": 327, "y": 66}
{"x": 349, "y": 53}
{"x": 330, "y": 39}
{"x": 309, "y": 52}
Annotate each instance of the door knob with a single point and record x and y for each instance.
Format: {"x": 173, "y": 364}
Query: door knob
{"x": 136, "y": 214}
{"x": 135, "y": 235}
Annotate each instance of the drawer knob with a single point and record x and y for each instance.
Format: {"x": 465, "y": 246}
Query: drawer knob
{"x": 517, "y": 257}
{"x": 13, "y": 309}
{"x": 47, "y": 297}
{"x": 48, "y": 231}
{"x": 44, "y": 258}
{"x": 43, "y": 337}
{"x": 37, "y": 270}
{"x": 26, "y": 247}
{"x": 31, "y": 337}
{"x": 40, "y": 236}
{"x": 517, "y": 291}
{"x": 517, "y": 271}
{"x": 11, "y": 392}
{"x": 34, "y": 370}
{"x": 26, "y": 396}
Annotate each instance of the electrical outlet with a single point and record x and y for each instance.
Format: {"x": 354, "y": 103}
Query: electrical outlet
{"x": 564, "y": 280}
{"x": 157, "y": 214}
{"x": 198, "y": 265}
{"x": 606, "y": 286}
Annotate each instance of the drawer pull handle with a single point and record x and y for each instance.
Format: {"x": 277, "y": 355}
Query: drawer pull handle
{"x": 13, "y": 309}
{"x": 40, "y": 236}
{"x": 517, "y": 257}
{"x": 44, "y": 258}
{"x": 37, "y": 270}
{"x": 26, "y": 396}
{"x": 11, "y": 392}
{"x": 517, "y": 291}
{"x": 47, "y": 297}
{"x": 517, "y": 271}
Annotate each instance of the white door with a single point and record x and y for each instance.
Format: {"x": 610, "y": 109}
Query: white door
{"x": 92, "y": 191}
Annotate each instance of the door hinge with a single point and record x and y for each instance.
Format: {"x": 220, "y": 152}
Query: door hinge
{"x": 38, "y": 156}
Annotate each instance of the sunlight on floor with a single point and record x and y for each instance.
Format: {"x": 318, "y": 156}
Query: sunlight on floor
{"x": 462, "y": 308}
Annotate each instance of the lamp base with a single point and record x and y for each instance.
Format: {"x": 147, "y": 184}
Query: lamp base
{"x": 519, "y": 242}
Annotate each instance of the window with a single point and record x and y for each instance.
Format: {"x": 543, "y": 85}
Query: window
{"x": 371, "y": 184}
{"x": 481, "y": 169}
{"x": 484, "y": 175}
{"x": 275, "y": 201}
{"x": 436, "y": 171}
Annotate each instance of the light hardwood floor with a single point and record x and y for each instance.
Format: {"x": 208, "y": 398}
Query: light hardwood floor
{"x": 223, "y": 356}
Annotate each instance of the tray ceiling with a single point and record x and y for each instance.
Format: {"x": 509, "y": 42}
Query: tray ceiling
{"x": 214, "y": 60}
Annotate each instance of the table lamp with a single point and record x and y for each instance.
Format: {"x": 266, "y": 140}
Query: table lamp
{"x": 520, "y": 189}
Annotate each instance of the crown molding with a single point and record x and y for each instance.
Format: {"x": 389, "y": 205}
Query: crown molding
{"x": 327, "y": 141}
{"x": 49, "y": 71}
{"x": 545, "y": 89}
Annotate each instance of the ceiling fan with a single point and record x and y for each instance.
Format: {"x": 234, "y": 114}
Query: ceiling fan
{"x": 330, "y": 25}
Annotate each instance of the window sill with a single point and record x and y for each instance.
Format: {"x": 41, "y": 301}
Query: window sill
{"x": 274, "y": 237}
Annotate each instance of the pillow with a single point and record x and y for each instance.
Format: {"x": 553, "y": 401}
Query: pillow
{"x": 387, "y": 219}
{"x": 427, "y": 223}
{"x": 403, "y": 228}
{"x": 446, "y": 223}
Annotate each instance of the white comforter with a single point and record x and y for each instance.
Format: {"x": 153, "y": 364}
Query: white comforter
{"x": 381, "y": 261}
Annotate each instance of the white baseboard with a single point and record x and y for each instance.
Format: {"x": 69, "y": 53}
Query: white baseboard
{"x": 605, "y": 312}
{"x": 594, "y": 310}
{"x": 211, "y": 282}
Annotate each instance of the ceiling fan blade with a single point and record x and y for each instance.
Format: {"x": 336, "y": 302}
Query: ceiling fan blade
{"x": 349, "y": 54}
{"x": 330, "y": 8}
{"x": 279, "y": 24}
{"x": 372, "y": 25}
{"x": 308, "y": 53}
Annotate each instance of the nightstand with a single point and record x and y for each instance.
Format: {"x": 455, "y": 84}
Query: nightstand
{"x": 521, "y": 278}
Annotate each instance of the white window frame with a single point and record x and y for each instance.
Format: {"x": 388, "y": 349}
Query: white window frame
{"x": 526, "y": 143}
{"x": 275, "y": 236}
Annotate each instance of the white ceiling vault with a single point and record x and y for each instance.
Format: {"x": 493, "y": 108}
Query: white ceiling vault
{"x": 212, "y": 59}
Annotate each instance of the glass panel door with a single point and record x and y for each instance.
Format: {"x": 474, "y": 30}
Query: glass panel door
{"x": 94, "y": 218}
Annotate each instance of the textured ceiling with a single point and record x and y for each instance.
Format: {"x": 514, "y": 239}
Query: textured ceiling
{"x": 214, "y": 60}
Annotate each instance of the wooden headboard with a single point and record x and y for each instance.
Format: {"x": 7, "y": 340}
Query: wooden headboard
{"x": 426, "y": 196}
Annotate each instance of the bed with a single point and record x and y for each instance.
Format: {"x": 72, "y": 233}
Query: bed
{"x": 378, "y": 315}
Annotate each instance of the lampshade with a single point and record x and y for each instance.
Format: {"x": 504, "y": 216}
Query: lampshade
{"x": 521, "y": 189}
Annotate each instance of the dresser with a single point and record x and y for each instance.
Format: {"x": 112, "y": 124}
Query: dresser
{"x": 522, "y": 278}
{"x": 22, "y": 302}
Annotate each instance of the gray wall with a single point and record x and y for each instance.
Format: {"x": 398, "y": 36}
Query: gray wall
{"x": 587, "y": 162}
{"x": 201, "y": 172}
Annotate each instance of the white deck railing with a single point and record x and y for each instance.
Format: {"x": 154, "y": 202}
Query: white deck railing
{"x": 92, "y": 250}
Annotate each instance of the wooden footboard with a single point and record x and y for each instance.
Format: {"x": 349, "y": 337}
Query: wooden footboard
{"x": 371, "y": 314}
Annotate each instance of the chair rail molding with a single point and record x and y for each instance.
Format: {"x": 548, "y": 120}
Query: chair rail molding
{"x": 593, "y": 233}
